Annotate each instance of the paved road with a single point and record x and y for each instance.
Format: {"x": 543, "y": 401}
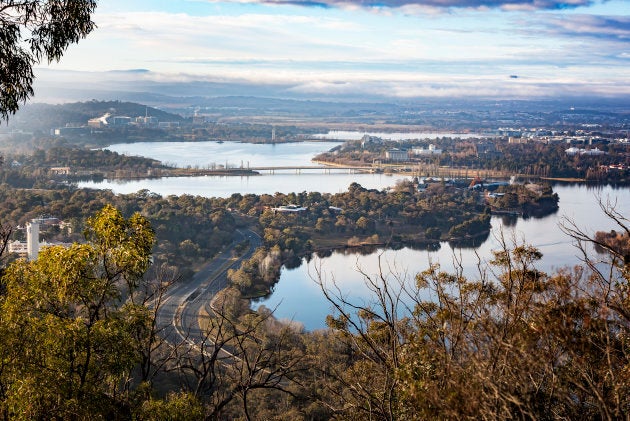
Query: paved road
{"x": 177, "y": 318}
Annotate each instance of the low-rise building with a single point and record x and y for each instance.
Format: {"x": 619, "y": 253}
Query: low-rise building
{"x": 431, "y": 150}
{"x": 31, "y": 247}
{"x": 147, "y": 121}
{"x": 120, "y": 120}
{"x": 397, "y": 155}
{"x": 588, "y": 152}
{"x": 289, "y": 209}
{"x": 99, "y": 122}
{"x": 60, "y": 170}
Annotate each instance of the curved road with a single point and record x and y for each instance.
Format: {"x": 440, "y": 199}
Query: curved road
{"x": 177, "y": 318}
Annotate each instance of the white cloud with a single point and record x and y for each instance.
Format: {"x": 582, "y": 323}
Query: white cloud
{"x": 389, "y": 53}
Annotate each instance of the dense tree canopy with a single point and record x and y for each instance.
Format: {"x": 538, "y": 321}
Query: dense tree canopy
{"x": 32, "y": 31}
{"x": 70, "y": 325}
{"x": 79, "y": 339}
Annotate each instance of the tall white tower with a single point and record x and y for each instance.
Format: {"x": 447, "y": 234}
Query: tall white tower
{"x": 32, "y": 240}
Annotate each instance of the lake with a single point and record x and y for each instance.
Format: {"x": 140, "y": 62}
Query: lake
{"x": 297, "y": 296}
{"x": 233, "y": 154}
{"x": 204, "y": 154}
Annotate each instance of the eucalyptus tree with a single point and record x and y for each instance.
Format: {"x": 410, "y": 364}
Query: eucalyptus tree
{"x": 72, "y": 323}
{"x": 32, "y": 31}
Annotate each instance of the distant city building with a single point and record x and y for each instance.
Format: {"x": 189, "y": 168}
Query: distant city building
{"x": 168, "y": 124}
{"x": 120, "y": 121}
{"x": 60, "y": 170}
{"x": 432, "y": 150}
{"x": 32, "y": 240}
{"x": 147, "y": 121}
{"x": 589, "y": 152}
{"x": 289, "y": 209}
{"x": 367, "y": 139}
{"x": 397, "y": 155}
{"x": 31, "y": 248}
{"x": 99, "y": 122}
{"x": 18, "y": 247}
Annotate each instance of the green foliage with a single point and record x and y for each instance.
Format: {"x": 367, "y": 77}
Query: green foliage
{"x": 70, "y": 323}
{"x": 478, "y": 225}
{"x": 176, "y": 407}
{"x": 34, "y": 31}
{"x": 196, "y": 222}
{"x": 36, "y": 167}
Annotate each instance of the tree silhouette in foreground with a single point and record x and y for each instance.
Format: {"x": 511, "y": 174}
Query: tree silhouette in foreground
{"x": 70, "y": 324}
{"x": 32, "y": 31}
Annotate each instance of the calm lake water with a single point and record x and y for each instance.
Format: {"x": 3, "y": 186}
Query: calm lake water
{"x": 297, "y": 296}
{"x": 234, "y": 154}
{"x": 281, "y": 181}
{"x": 204, "y": 154}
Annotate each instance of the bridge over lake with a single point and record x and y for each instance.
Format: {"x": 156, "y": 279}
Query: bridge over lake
{"x": 312, "y": 167}
{"x": 411, "y": 170}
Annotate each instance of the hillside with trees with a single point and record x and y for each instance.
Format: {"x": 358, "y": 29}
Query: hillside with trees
{"x": 80, "y": 342}
{"x": 38, "y": 117}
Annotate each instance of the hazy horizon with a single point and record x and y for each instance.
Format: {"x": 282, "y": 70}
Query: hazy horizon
{"x": 350, "y": 50}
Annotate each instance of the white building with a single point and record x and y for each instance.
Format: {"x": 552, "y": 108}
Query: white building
{"x": 30, "y": 249}
{"x": 147, "y": 121}
{"x": 18, "y": 247}
{"x": 32, "y": 240}
{"x": 588, "y": 152}
{"x": 289, "y": 209}
{"x": 99, "y": 122}
{"x": 432, "y": 150}
{"x": 397, "y": 155}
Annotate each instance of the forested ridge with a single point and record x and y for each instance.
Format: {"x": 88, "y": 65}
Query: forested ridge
{"x": 518, "y": 344}
{"x": 513, "y": 342}
{"x": 43, "y": 117}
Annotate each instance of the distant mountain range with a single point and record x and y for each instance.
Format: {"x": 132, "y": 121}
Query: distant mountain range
{"x": 184, "y": 94}
{"x": 123, "y": 92}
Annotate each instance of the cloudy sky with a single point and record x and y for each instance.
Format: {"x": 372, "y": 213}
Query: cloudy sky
{"x": 389, "y": 48}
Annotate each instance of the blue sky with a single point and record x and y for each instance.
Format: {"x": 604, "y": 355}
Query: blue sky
{"x": 388, "y": 48}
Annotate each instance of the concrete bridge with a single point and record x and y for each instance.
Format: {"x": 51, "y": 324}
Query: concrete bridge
{"x": 299, "y": 168}
{"x": 403, "y": 168}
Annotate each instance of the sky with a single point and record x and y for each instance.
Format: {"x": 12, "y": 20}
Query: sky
{"x": 401, "y": 49}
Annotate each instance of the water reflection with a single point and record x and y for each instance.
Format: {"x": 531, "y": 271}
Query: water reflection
{"x": 299, "y": 297}
{"x": 509, "y": 220}
{"x": 469, "y": 243}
